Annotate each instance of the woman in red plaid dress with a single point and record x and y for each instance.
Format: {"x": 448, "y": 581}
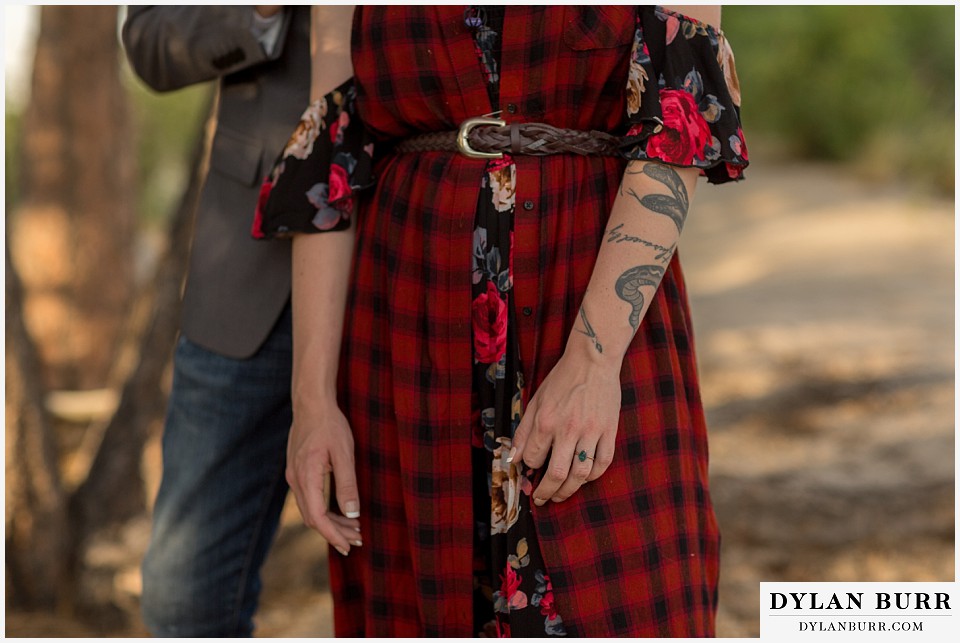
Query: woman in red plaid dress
{"x": 517, "y": 439}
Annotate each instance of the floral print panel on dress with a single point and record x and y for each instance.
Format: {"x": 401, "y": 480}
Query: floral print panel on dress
{"x": 327, "y": 159}
{"x": 523, "y": 604}
{"x": 505, "y": 539}
{"x": 693, "y": 119}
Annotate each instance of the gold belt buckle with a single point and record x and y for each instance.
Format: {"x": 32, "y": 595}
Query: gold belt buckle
{"x": 464, "y": 132}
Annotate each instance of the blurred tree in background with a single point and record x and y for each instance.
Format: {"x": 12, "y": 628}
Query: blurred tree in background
{"x": 869, "y": 85}
{"x": 73, "y": 230}
{"x": 82, "y": 326}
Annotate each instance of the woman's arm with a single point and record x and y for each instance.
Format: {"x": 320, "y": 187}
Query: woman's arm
{"x": 330, "y": 27}
{"x": 577, "y": 406}
{"x": 320, "y": 439}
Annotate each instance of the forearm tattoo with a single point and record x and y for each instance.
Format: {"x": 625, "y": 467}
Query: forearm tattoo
{"x": 629, "y": 285}
{"x": 675, "y": 206}
{"x": 663, "y": 253}
{"x": 588, "y": 330}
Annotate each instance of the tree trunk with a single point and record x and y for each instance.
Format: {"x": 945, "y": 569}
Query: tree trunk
{"x": 115, "y": 470}
{"x": 36, "y": 509}
{"x": 47, "y": 530}
{"x": 73, "y": 322}
{"x": 73, "y": 234}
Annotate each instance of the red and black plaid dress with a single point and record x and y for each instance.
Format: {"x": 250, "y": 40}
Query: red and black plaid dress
{"x": 467, "y": 279}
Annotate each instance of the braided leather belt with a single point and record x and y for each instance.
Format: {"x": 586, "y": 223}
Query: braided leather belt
{"x": 490, "y": 138}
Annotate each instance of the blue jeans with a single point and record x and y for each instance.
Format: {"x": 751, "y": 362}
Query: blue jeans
{"x": 223, "y": 486}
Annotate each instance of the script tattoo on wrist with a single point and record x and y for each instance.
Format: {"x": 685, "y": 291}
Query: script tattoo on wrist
{"x": 588, "y": 330}
{"x": 675, "y": 206}
{"x": 663, "y": 253}
{"x": 629, "y": 284}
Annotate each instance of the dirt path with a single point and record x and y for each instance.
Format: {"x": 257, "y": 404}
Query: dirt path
{"x": 825, "y": 317}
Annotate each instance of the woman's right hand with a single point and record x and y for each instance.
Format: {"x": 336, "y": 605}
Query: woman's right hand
{"x": 321, "y": 442}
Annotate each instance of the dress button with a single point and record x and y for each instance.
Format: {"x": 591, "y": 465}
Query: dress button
{"x": 527, "y": 311}
{"x": 528, "y": 205}
{"x": 512, "y": 108}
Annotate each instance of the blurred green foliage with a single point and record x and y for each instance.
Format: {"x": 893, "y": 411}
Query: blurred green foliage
{"x": 872, "y": 85}
{"x": 166, "y": 127}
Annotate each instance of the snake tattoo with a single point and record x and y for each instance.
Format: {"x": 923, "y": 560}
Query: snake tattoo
{"x": 629, "y": 285}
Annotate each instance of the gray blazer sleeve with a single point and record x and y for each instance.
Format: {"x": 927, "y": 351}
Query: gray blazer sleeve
{"x": 171, "y": 47}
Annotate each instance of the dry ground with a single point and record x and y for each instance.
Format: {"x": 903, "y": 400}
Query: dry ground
{"x": 824, "y": 310}
{"x": 825, "y": 316}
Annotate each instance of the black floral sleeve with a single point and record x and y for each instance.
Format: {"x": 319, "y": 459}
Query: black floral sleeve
{"x": 683, "y": 97}
{"x": 327, "y": 160}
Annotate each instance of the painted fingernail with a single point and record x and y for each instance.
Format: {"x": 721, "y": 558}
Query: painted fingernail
{"x": 512, "y": 453}
{"x": 351, "y": 509}
{"x": 356, "y": 529}
{"x": 342, "y": 551}
{"x": 358, "y": 543}
{"x": 539, "y": 502}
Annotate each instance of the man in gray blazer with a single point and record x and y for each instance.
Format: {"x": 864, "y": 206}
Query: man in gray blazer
{"x": 224, "y": 442}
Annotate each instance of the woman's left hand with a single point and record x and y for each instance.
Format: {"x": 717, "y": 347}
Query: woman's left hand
{"x": 576, "y": 410}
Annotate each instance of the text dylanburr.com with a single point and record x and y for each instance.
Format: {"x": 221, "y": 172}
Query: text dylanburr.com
{"x": 858, "y": 611}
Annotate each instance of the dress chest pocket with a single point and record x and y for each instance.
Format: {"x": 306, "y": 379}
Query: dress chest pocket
{"x": 598, "y": 27}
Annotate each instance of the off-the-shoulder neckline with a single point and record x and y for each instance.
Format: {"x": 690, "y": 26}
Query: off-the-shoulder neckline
{"x": 680, "y": 16}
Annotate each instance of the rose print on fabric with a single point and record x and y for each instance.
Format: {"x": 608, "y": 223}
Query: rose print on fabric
{"x": 685, "y": 133}
{"x": 504, "y": 490}
{"x": 509, "y": 552}
{"x": 522, "y": 557}
{"x": 738, "y": 146}
{"x": 740, "y": 150}
{"x": 497, "y": 371}
{"x": 487, "y": 263}
{"x": 728, "y": 65}
{"x": 318, "y": 177}
{"x": 256, "y": 231}
{"x": 666, "y": 127}
{"x": 489, "y": 326}
{"x": 338, "y": 128}
{"x": 710, "y": 108}
{"x": 637, "y": 76}
{"x": 509, "y": 597}
{"x": 327, "y": 217}
{"x": 488, "y": 418}
{"x": 339, "y": 183}
{"x": 300, "y": 145}
{"x": 543, "y": 598}
{"x": 677, "y": 23}
{"x": 516, "y": 406}
{"x": 503, "y": 177}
